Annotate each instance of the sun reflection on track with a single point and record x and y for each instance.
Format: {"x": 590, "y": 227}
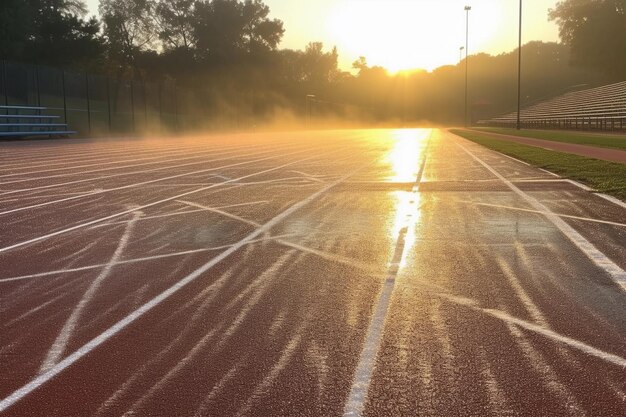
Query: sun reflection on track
{"x": 406, "y": 158}
{"x": 407, "y": 153}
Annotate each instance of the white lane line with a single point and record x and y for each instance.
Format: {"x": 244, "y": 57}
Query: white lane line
{"x": 57, "y": 349}
{"x": 136, "y": 260}
{"x": 156, "y": 154}
{"x": 99, "y": 192}
{"x": 183, "y": 213}
{"x": 596, "y": 256}
{"x": 535, "y": 328}
{"x": 220, "y": 212}
{"x": 357, "y": 398}
{"x": 113, "y": 216}
{"x": 324, "y": 255}
{"x": 145, "y": 308}
{"x": 514, "y": 159}
{"x": 566, "y": 216}
{"x": 612, "y": 200}
{"x": 231, "y": 156}
{"x": 578, "y": 184}
{"x": 165, "y": 159}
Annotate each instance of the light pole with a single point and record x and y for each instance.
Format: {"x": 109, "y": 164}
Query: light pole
{"x": 461, "y": 49}
{"x": 519, "y": 72}
{"x": 467, "y": 10}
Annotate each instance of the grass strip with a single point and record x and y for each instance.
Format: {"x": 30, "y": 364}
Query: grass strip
{"x": 589, "y": 139}
{"x": 603, "y": 176}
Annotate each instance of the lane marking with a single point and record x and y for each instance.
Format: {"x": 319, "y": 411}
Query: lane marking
{"x": 145, "y": 308}
{"x": 576, "y": 183}
{"x": 220, "y": 212}
{"x": 594, "y": 254}
{"x": 122, "y": 213}
{"x": 59, "y": 345}
{"x": 612, "y": 199}
{"x": 102, "y": 191}
{"x": 357, "y": 398}
{"x": 182, "y": 213}
{"x": 535, "y": 328}
{"x": 324, "y": 255}
{"x": 567, "y": 216}
{"x": 171, "y": 158}
{"x": 156, "y": 154}
{"x": 136, "y": 260}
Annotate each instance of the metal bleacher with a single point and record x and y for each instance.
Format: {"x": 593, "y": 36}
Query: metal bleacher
{"x": 600, "y": 108}
{"x": 26, "y": 121}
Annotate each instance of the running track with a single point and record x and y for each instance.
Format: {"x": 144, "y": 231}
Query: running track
{"x": 372, "y": 272}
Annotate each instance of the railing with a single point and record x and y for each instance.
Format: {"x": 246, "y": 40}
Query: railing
{"x": 601, "y": 108}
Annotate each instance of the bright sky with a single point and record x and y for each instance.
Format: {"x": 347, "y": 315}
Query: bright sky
{"x": 408, "y": 34}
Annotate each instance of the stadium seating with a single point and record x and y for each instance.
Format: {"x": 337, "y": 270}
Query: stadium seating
{"x": 25, "y": 121}
{"x": 601, "y": 108}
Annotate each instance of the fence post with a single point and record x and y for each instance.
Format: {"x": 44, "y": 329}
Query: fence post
{"x": 132, "y": 104}
{"x": 145, "y": 103}
{"x": 176, "y": 106}
{"x": 109, "y": 104}
{"x": 161, "y": 107}
{"x": 4, "y": 82}
{"x": 88, "y": 102}
{"x": 64, "y": 98}
{"x": 38, "y": 85}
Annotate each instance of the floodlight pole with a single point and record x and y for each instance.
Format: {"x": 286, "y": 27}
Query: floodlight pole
{"x": 519, "y": 72}
{"x": 467, "y": 10}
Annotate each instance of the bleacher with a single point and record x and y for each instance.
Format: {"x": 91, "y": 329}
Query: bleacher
{"x": 26, "y": 121}
{"x": 600, "y": 108}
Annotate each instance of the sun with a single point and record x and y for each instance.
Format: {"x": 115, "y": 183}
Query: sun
{"x": 411, "y": 34}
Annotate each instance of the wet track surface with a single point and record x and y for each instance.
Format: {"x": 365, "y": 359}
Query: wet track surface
{"x": 374, "y": 272}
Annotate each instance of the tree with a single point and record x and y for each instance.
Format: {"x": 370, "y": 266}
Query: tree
{"x": 15, "y": 27}
{"x": 175, "y": 21}
{"x": 595, "y": 30}
{"x": 130, "y": 29}
{"x": 227, "y": 30}
{"x": 49, "y": 32}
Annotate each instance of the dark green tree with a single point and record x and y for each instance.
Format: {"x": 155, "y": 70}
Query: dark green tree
{"x": 53, "y": 32}
{"x": 175, "y": 23}
{"x": 16, "y": 25}
{"x": 130, "y": 31}
{"x": 596, "y": 32}
{"x": 228, "y": 31}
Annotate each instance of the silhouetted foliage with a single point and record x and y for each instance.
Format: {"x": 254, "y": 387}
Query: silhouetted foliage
{"x": 596, "y": 32}
{"x": 227, "y": 31}
{"x": 130, "y": 30}
{"x": 175, "y": 21}
{"x": 51, "y": 32}
{"x": 225, "y": 59}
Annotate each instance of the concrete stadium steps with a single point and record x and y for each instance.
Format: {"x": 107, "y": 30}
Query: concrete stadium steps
{"x": 596, "y": 108}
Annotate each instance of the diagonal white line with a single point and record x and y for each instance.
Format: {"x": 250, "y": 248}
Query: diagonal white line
{"x": 113, "y": 216}
{"x": 58, "y": 347}
{"x": 594, "y": 254}
{"x": 145, "y": 308}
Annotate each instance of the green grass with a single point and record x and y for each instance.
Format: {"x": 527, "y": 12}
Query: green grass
{"x": 603, "y": 176}
{"x": 603, "y": 141}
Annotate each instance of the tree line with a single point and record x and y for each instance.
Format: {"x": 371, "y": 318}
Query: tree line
{"x": 225, "y": 56}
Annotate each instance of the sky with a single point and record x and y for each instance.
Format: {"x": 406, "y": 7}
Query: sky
{"x": 409, "y": 34}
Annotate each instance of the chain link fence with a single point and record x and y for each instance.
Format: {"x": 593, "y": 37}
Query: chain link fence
{"x": 91, "y": 104}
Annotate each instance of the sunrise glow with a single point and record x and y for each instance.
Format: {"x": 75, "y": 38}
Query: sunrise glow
{"x": 402, "y": 34}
